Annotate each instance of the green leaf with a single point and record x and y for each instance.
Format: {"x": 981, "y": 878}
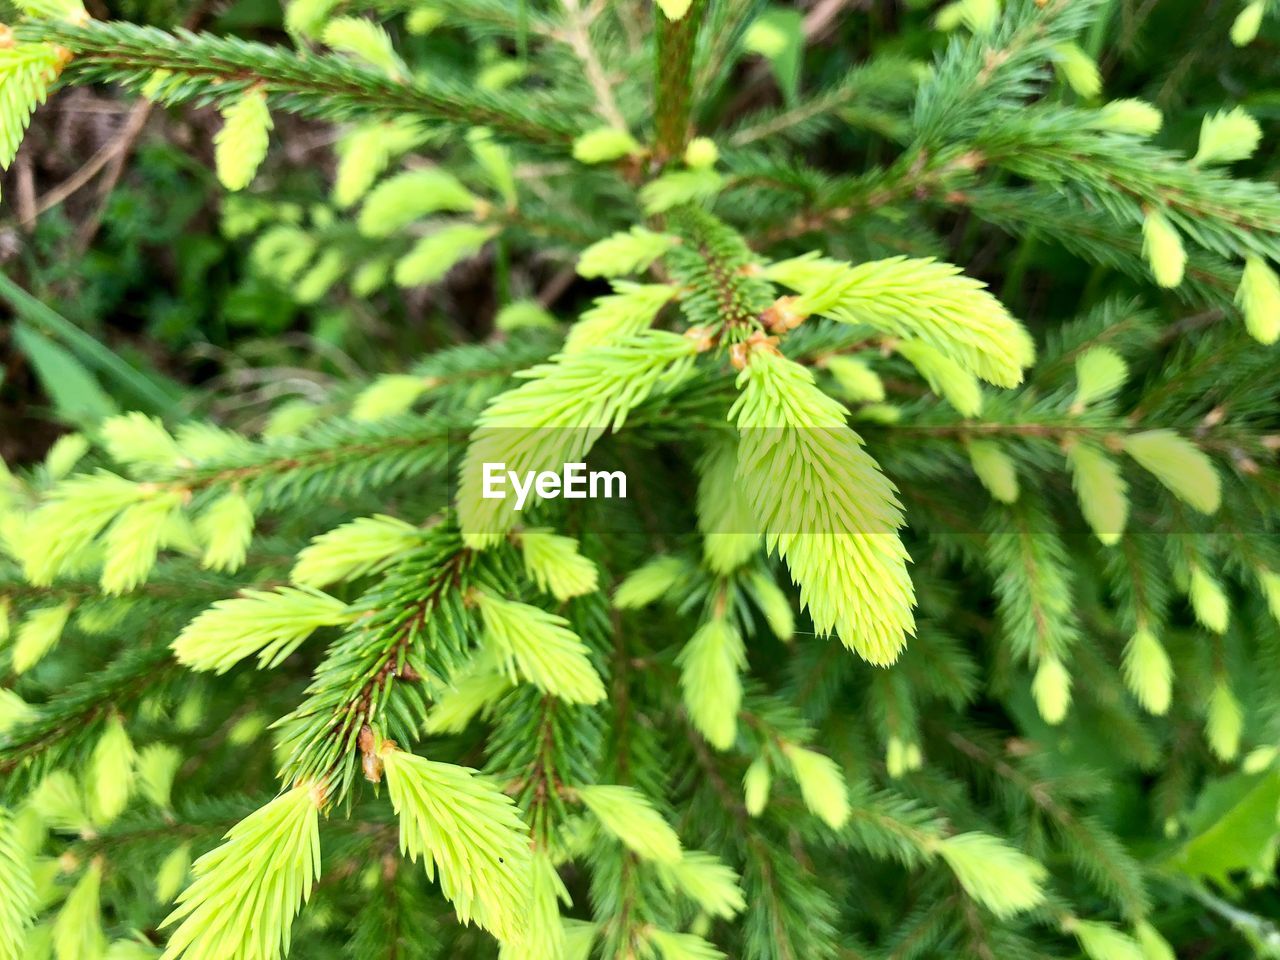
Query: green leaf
{"x": 146, "y": 388}
{"x": 778, "y": 36}
{"x": 77, "y": 398}
{"x": 1232, "y": 828}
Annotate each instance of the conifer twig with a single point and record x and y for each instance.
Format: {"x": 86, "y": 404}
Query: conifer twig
{"x": 309, "y": 83}
{"x": 673, "y": 79}
{"x": 579, "y": 39}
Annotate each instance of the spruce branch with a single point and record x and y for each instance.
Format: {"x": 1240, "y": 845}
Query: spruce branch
{"x": 334, "y": 458}
{"x": 313, "y": 85}
{"x": 61, "y": 724}
{"x": 867, "y": 96}
{"x": 412, "y": 627}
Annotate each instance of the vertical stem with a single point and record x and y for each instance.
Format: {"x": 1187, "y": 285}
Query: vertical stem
{"x": 673, "y": 79}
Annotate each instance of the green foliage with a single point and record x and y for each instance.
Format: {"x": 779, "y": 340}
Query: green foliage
{"x": 18, "y": 888}
{"x": 270, "y": 624}
{"x": 26, "y": 70}
{"x": 841, "y": 547}
{"x": 468, "y": 832}
{"x": 247, "y": 891}
{"x": 947, "y": 333}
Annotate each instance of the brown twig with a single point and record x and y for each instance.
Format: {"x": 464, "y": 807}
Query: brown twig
{"x": 93, "y": 165}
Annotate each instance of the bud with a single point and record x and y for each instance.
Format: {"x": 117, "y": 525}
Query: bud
{"x": 77, "y": 930}
{"x": 1147, "y": 672}
{"x": 1259, "y": 299}
{"x": 367, "y": 741}
{"x": 894, "y": 757}
{"x": 980, "y": 16}
{"x": 605, "y": 144}
{"x": 1227, "y": 136}
{"x": 774, "y": 604}
{"x": 1259, "y": 760}
{"x": 388, "y": 396}
{"x": 523, "y": 315}
{"x": 1004, "y": 880}
{"x": 755, "y": 787}
{"x": 674, "y": 9}
{"x": 1101, "y": 941}
{"x": 625, "y": 252}
{"x": 1101, "y": 490}
{"x": 901, "y": 757}
{"x": 1270, "y": 582}
{"x": 157, "y": 767}
{"x": 1225, "y": 722}
{"x": 352, "y": 550}
{"x": 111, "y": 773}
{"x": 226, "y": 530}
{"x": 1246, "y": 26}
{"x": 702, "y": 337}
{"x": 38, "y": 634}
{"x": 884, "y": 413}
{"x": 172, "y": 873}
{"x": 995, "y": 470}
{"x": 1154, "y": 946}
{"x": 13, "y": 710}
{"x": 949, "y": 17}
{"x": 1179, "y": 465}
{"x": 914, "y": 757}
{"x": 946, "y": 377}
{"x": 555, "y": 565}
{"x": 1136, "y": 117}
{"x": 782, "y": 315}
{"x": 701, "y": 153}
{"x": 1162, "y": 247}
{"x": 1051, "y": 689}
{"x": 627, "y": 814}
{"x": 857, "y": 381}
{"x": 247, "y": 729}
{"x": 648, "y": 583}
{"x": 1078, "y": 69}
{"x": 822, "y": 785}
{"x": 1208, "y": 601}
{"x": 1100, "y": 372}
{"x": 710, "y": 666}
